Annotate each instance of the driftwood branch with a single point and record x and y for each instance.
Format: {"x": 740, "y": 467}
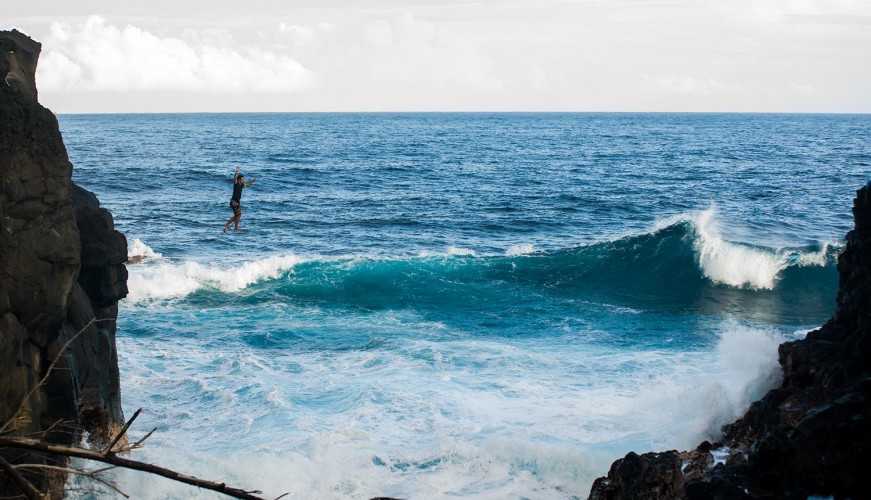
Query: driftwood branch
{"x": 93, "y": 475}
{"x": 107, "y": 455}
{"x": 108, "y": 458}
{"x": 28, "y": 489}
{"x": 121, "y": 433}
{"x": 137, "y": 444}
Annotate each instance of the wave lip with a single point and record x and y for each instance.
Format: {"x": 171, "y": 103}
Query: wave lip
{"x": 744, "y": 266}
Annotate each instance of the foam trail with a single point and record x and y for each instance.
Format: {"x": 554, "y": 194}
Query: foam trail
{"x": 165, "y": 280}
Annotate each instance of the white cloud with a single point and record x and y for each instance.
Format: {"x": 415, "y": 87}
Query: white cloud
{"x": 64, "y": 72}
{"x": 774, "y": 55}
{"x": 97, "y": 56}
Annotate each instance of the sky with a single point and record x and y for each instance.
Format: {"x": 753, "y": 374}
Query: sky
{"x": 450, "y": 55}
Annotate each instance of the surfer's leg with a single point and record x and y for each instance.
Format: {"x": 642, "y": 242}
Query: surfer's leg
{"x": 227, "y": 225}
{"x": 238, "y": 217}
{"x": 236, "y": 211}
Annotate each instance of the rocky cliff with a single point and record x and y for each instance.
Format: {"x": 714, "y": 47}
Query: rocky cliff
{"x": 62, "y": 274}
{"x": 810, "y": 436}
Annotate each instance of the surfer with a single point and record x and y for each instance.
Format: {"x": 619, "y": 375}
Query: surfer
{"x": 236, "y": 201}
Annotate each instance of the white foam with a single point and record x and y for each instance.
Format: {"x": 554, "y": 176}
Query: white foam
{"x": 704, "y": 392}
{"x": 750, "y": 358}
{"x": 815, "y": 258}
{"x": 523, "y": 249}
{"x": 461, "y": 252}
{"x": 164, "y": 280}
{"x": 734, "y": 264}
{"x": 800, "y": 334}
{"x": 721, "y": 455}
{"x": 730, "y": 263}
{"x": 738, "y": 265}
{"x": 444, "y": 418}
{"x": 138, "y": 248}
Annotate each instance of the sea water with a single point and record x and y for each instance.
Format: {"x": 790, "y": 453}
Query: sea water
{"x": 459, "y": 305}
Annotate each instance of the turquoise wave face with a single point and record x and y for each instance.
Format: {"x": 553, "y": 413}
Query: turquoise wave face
{"x": 663, "y": 273}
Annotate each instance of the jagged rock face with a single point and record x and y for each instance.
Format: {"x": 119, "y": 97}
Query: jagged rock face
{"x": 61, "y": 274}
{"x": 104, "y": 251}
{"x": 102, "y": 283}
{"x": 652, "y": 475}
{"x": 40, "y": 258}
{"x": 812, "y": 435}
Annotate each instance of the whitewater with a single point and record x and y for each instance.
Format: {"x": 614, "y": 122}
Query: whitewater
{"x": 459, "y": 305}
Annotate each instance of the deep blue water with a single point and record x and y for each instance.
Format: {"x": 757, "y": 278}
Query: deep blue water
{"x": 479, "y": 305}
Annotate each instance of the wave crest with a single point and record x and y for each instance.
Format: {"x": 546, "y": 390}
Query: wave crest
{"x": 683, "y": 263}
{"x": 163, "y": 280}
{"x": 732, "y": 264}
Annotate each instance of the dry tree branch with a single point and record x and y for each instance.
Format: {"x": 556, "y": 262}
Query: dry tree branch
{"x": 107, "y": 456}
{"x": 67, "y": 451}
{"x": 137, "y": 444}
{"x": 46, "y": 432}
{"x": 92, "y": 475}
{"x": 121, "y": 433}
{"x": 104, "y": 469}
{"x": 28, "y": 489}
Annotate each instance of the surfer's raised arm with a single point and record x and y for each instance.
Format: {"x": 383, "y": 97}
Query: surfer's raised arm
{"x": 236, "y": 175}
{"x": 250, "y": 182}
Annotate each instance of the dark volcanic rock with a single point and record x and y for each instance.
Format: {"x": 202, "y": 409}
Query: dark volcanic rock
{"x": 61, "y": 275}
{"x": 652, "y": 475}
{"x": 810, "y": 436}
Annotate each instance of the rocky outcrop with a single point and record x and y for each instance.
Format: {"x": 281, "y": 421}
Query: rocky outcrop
{"x": 61, "y": 276}
{"x": 810, "y": 436}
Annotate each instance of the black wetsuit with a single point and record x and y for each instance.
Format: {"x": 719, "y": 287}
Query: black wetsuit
{"x": 236, "y": 200}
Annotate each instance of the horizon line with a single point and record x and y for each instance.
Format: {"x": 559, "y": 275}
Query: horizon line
{"x": 480, "y": 112}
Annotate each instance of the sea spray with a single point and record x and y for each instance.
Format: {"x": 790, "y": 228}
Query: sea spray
{"x": 138, "y": 248}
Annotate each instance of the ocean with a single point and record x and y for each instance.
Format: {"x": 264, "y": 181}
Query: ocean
{"x": 478, "y": 305}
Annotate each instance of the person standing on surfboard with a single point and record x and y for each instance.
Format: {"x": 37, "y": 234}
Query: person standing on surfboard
{"x": 236, "y": 201}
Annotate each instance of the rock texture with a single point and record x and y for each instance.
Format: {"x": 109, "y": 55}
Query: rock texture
{"x": 61, "y": 276}
{"x": 810, "y": 436}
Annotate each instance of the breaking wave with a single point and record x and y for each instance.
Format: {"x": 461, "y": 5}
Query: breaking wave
{"x": 682, "y": 264}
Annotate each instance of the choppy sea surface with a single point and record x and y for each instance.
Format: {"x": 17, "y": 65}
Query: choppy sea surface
{"x": 459, "y": 305}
